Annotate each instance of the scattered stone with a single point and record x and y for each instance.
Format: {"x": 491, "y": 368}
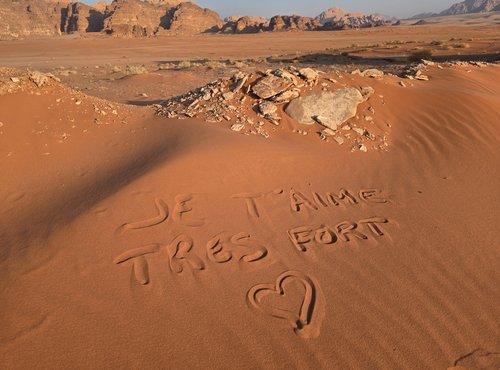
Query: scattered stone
{"x": 228, "y": 95}
{"x": 336, "y": 107}
{"x": 286, "y": 96}
{"x": 369, "y": 135}
{"x": 310, "y": 75}
{"x": 402, "y": 83}
{"x": 363, "y": 148}
{"x": 267, "y": 108}
{"x": 367, "y": 91}
{"x": 270, "y": 86}
{"x": 239, "y": 81}
{"x": 15, "y": 79}
{"x": 78, "y": 102}
{"x": 339, "y": 140}
{"x": 358, "y": 130}
{"x": 38, "y": 78}
{"x": 373, "y": 73}
{"x": 237, "y": 127}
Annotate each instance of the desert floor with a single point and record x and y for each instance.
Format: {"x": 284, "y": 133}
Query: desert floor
{"x": 133, "y": 241}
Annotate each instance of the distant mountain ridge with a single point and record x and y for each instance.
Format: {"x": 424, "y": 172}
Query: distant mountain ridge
{"x": 465, "y": 7}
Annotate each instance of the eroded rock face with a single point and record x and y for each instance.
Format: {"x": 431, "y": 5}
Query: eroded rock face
{"x": 24, "y": 18}
{"x": 190, "y": 18}
{"x": 133, "y": 18}
{"x": 292, "y": 23}
{"x": 337, "y": 19}
{"x": 79, "y": 17}
{"x": 245, "y": 25}
{"x": 330, "y": 109}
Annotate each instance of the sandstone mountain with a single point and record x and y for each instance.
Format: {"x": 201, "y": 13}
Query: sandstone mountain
{"x": 22, "y": 18}
{"x": 293, "y": 23}
{"x": 132, "y": 18}
{"x": 120, "y": 18}
{"x": 189, "y": 18}
{"x": 247, "y": 24}
{"x": 472, "y": 6}
{"x": 143, "y": 18}
{"x": 79, "y": 17}
{"x": 337, "y": 18}
{"x": 331, "y": 19}
{"x": 465, "y": 7}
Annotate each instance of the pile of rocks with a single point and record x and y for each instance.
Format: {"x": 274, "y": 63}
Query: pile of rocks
{"x": 256, "y": 103}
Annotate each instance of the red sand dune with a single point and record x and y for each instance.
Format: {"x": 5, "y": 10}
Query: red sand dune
{"x": 140, "y": 242}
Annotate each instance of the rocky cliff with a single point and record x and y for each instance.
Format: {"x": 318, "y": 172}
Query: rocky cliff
{"x": 331, "y": 19}
{"x": 189, "y": 18}
{"x": 465, "y": 7}
{"x": 23, "y": 18}
{"x": 472, "y": 6}
{"x": 336, "y": 19}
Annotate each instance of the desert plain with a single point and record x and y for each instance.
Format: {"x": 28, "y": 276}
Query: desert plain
{"x": 160, "y": 211}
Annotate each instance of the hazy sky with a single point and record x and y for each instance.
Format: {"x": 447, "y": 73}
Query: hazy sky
{"x": 398, "y": 8}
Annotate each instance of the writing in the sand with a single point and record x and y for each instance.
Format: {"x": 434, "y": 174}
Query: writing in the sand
{"x": 299, "y": 201}
{"x": 222, "y": 248}
{"x": 303, "y": 237}
{"x": 184, "y": 253}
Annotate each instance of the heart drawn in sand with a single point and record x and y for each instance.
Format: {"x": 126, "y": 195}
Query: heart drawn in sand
{"x": 298, "y": 320}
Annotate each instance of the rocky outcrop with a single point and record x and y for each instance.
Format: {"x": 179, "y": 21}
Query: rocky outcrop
{"x": 331, "y": 19}
{"x": 24, "y": 18}
{"x": 79, "y": 17}
{"x": 338, "y": 19}
{"x": 245, "y": 25}
{"x": 133, "y": 18}
{"x": 472, "y": 6}
{"x": 293, "y": 23}
{"x": 465, "y": 7}
{"x": 189, "y": 18}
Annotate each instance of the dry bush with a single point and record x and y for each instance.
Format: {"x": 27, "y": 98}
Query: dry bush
{"x": 419, "y": 55}
{"x": 135, "y": 70}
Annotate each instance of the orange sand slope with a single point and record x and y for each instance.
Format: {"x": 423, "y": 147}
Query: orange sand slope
{"x": 134, "y": 241}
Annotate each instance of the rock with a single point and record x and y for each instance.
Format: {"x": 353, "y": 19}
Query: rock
{"x": 373, "y": 73}
{"x": 367, "y": 91}
{"x": 334, "y": 107}
{"x": 292, "y": 23}
{"x": 326, "y": 122}
{"x": 15, "y": 79}
{"x": 247, "y": 24}
{"x": 363, "y": 148}
{"x": 267, "y": 108}
{"x": 328, "y": 132}
{"x": 401, "y": 83}
{"x": 422, "y": 77}
{"x": 271, "y": 85}
{"x": 286, "y": 96}
{"x": 240, "y": 80}
{"x": 38, "y": 78}
{"x": 237, "y": 127}
{"x": 310, "y": 75}
{"x": 358, "y": 130}
{"x": 339, "y": 140}
{"x": 338, "y": 19}
{"x": 189, "y": 18}
{"x": 228, "y": 95}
